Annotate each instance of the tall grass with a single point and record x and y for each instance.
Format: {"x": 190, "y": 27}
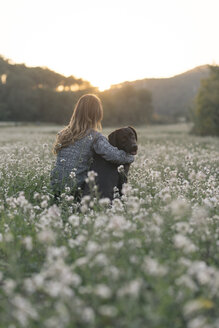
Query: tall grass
{"x": 148, "y": 260}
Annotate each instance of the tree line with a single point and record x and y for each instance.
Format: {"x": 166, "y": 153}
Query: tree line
{"x": 36, "y": 94}
{"x": 205, "y": 112}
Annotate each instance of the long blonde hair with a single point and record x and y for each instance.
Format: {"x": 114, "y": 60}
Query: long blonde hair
{"x": 87, "y": 114}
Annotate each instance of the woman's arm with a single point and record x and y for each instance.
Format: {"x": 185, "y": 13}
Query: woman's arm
{"x": 110, "y": 153}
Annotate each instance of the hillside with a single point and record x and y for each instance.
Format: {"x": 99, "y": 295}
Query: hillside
{"x": 38, "y": 77}
{"x": 172, "y": 96}
{"x": 40, "y": 94}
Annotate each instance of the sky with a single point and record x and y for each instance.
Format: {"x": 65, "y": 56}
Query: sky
{"x": 111, "y": 41}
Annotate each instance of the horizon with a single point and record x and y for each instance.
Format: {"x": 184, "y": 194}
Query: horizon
{"x": 12, "y": 62}
{"x": 108, "y": 42}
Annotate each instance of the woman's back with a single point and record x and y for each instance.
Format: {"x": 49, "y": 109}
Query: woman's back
{"x": 74, "y": 158}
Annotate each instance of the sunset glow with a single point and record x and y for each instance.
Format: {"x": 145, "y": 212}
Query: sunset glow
{"x": 111, "y": 41}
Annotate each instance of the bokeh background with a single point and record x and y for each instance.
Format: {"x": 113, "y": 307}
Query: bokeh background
{"x": 145, "y": 59}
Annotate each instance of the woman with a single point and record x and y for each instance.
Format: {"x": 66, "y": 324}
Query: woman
{"x": 77, "y": 142}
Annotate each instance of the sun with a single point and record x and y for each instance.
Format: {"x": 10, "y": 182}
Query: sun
{"x": 104, "y": 86}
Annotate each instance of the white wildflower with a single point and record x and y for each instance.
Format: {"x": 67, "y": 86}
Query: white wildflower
{"x": 198, "y": 322}
{"x": 118, "y": 222}
{"x": 103, "y": 291}
{"x": 179, "y": 207}
{"x": 46, "y": 236}
{"x": 72, "y": 175}
{"x": 132, "y": 288}
{"x": 23, "y": 310}
{"x": 184, "y": 243}
{"x": 104, "y": 202}
{"x": 153, "y": 267}
{"x": 74, "y": 220}
{"x": 92, "y": 247}
{"x": 126, "y": 189}
{"x": 186, "y": 281}
{"x": 108, "y": 310}
{"x": 36, "y": 195}
{"x": 44, "y": 204}
{"x": 120, "y": 168}
{"x": 67, "y": 189}
{"x": 91, "y": 176}
{"x": 28, "y": 243}
{"x": 88, "y": 315}
{"x": 200, "y": 176}
{"x": 9, "y": 286}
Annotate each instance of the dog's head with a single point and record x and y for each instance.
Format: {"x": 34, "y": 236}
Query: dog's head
{"x": 125, "y": 139}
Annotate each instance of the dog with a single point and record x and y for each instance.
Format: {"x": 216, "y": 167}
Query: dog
{"x": 108, "y": 176}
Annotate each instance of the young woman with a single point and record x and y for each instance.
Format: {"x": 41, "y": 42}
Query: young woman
{"x": 76, "y": 143}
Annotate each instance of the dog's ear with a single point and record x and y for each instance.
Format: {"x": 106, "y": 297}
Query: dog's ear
{"x": 112, "y": 138}
{"x": 130, "y": 127}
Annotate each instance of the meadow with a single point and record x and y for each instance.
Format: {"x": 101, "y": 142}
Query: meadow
{"x": 150, "y": 259}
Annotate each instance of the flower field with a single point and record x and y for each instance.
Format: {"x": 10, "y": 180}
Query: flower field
{"x": 151, "y": 259}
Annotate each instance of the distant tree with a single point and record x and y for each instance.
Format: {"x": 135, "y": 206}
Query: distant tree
{"x": 31, "y": 94}
{"x": 4, "y": 65}
{"x": 206, "y": 110}
{"x": 70, "y": 83}
{"x": 127, "y": 105}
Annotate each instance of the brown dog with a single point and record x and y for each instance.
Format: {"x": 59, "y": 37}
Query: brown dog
{"x": 108, "y": 176}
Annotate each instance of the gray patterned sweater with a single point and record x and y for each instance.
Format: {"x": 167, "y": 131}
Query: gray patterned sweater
{"x": 77, "y": 158}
